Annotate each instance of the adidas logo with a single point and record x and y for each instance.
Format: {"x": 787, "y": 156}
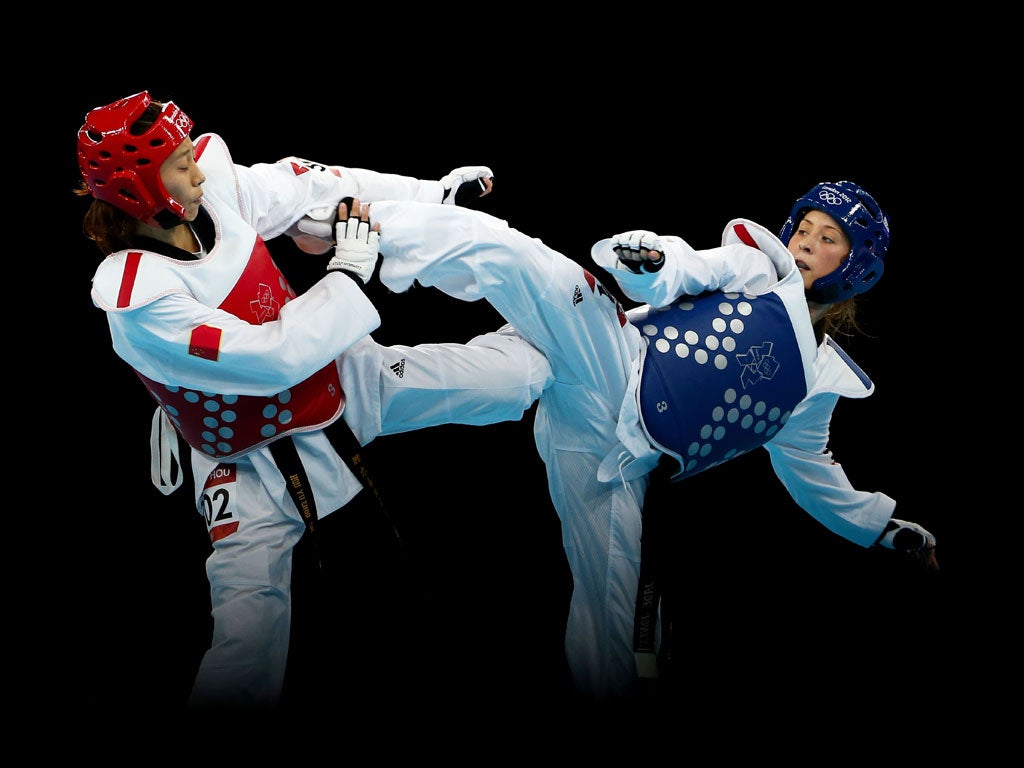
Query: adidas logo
{"x": 577, "y": 296}
{"x": 399, "y": 368}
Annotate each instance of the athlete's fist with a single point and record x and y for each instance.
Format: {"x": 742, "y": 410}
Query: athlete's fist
{"x": 639, "y": 250}
{"x": 910, "y": 539}
{"x": 478, "y": 181}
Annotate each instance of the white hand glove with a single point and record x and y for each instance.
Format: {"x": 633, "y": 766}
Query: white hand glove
{"x": 314, "y": 232}
{"x": 633, "y": 249}
{"x": 357, "y": 248}
{"x": 905, "y": 537}
{"x": 460, "y": 176}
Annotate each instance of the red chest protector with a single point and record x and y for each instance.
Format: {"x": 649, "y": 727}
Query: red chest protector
{"x": 225, "y": 426}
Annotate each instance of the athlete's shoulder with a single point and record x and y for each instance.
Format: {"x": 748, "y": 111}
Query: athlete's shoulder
{"x": 749, "y": 233}
{"x": 212, "y": 142}
{"x": 835, "y": 371}
{"x": 134, "y": 277}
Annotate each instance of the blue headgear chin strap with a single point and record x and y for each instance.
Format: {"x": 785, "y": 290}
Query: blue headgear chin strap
{"x": 862, "y": 221}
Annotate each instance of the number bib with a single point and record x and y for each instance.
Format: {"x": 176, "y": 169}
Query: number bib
{"x": 218, "y": 506}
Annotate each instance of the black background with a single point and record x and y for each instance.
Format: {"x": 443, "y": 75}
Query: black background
{"x": 469, "y": 617}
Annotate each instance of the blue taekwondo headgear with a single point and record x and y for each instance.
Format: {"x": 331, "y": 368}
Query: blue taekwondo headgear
{"x": 862, "y": 221}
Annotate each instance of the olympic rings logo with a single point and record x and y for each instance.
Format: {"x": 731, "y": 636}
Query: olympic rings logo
{"x": 829, "y": 197}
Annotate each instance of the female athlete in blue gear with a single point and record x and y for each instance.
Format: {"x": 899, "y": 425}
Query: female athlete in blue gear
{"x": 729, "y": 350}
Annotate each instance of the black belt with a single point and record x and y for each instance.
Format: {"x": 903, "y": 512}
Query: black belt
{"x": 650, "y": 593}
{"x": 344, "y": 441}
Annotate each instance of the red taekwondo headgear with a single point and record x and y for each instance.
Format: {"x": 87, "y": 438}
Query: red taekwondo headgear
{"x": 122, "y": 166}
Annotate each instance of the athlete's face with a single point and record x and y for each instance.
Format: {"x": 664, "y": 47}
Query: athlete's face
{"x": 819, "y": 246}
{"x": 182, "y": 178}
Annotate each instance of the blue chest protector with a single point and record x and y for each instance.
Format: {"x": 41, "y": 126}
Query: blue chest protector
{"x": 721, "y": 376}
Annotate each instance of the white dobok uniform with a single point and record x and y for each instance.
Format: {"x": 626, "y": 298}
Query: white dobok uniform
{"x": 236, "y": 360}
{"x": 700, "y": 376}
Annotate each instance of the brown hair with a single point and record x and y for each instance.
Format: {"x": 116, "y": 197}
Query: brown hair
{"x": 840, "y": 319}
{"x": 110, "y": 228}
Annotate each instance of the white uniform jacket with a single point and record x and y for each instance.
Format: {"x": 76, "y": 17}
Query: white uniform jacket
{"x": 168, "y": 317}
{"x": 752, "y": 261}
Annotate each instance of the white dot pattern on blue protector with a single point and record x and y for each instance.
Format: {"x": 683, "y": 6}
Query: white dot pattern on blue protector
{"x": 722, "y": 374}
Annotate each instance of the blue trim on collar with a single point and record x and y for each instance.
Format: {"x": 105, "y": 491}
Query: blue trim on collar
{"x": 849, "y": 362}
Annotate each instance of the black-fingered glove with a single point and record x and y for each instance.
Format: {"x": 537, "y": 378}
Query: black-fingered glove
{"x": 634, "y": 248}
{"x": 905, "y": 537}
{"x": 910, "y": 539}
{"x": 356, "y": 246}
{"x": 465, "y": 185}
